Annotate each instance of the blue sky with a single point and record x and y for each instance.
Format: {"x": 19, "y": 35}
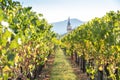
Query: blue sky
{"x": 85, "y": 10}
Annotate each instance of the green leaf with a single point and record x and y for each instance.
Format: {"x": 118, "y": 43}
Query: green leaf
{"x": 11, "y": 63}
{"x": 5, "y": 76}
{"x": 13, "y": 44}
{"x": 11, "y": 56}
{"x": 1, "y": 14}
{"x": 0, "y": 0}
{"x": 4, "y": 51}
{"x": 6, "y": 35}
{"x": 4, "y": 42}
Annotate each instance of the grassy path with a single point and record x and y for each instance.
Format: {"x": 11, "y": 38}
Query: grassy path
{"x": 62, "y": 69}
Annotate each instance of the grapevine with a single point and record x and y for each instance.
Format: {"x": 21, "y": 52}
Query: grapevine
{"x": 97, "y": 42}
{"x": 26, "y": 41}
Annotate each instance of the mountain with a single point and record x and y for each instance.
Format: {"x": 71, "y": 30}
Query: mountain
{"x": 61, "y": 26}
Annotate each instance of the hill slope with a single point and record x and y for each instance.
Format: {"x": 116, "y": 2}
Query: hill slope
{"x": 61, "y": 26}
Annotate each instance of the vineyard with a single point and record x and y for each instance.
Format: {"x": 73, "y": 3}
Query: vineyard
{"x": 27, "y": 41}
{"x": 95, "y": 47}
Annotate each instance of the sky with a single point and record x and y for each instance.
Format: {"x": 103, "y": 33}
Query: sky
{"x": 59, "y": 10}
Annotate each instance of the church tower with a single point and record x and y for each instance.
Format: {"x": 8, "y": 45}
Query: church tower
{"x": 69, "y": 27}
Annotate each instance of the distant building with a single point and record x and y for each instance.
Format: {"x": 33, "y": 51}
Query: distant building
{"x": 69, "y": 27}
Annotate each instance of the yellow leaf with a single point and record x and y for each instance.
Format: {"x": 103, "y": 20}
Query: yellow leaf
{"x": 16, "y": 58}
{"x": 118, "y": 47}
{"x": 45, "y": 59}
{"x": 100, "y": 68}
{"x": 0, "y": 47}
{"x": 6, "y": 68}
{"x": 30, "y": 66}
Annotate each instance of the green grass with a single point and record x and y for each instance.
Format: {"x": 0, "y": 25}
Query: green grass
{"x": 62, "y": 69}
